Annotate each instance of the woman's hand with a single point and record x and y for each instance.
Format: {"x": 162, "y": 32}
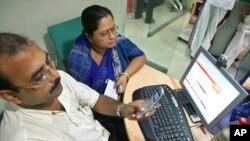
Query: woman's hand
{"x": 123, "y": 81}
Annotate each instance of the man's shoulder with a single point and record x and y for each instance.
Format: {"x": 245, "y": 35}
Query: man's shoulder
{"x": 8, "y": 128}
{"x": 64, "y": 76}
{"x": 61, "y": 72}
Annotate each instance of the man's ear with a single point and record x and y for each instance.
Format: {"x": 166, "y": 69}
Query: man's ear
{"x": 9, "y": 96}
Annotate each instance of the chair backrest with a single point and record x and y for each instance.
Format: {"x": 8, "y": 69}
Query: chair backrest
{"x": 63, "y": 36}
{"x": 243, "y": 68}
{"x": 1, "y": 109}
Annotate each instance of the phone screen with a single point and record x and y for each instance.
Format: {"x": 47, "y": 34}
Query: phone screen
{"x": 156, "y": 96}
{"x": 150, "y": 103}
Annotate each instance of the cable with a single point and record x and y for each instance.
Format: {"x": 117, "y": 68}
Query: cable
{"x": 197, "y": 126}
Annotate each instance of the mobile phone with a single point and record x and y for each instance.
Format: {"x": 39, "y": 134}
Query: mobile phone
{"x": 152, "y": 102}
{"x": 119, "y": 89}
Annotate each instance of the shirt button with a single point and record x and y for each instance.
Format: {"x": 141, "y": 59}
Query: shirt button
{"x": 105, "y": 132}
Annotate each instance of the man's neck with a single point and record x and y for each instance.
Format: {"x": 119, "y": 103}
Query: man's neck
{"x": 54, "y": 105}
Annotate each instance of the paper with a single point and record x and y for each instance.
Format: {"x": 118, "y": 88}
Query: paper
{"x": 110, "y": 91}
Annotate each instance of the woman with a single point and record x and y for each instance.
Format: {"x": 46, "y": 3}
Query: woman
{"x": 100, "y": 54}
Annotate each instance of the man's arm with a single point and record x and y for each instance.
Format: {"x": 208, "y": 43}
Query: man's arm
{"x": 111, "y": 107}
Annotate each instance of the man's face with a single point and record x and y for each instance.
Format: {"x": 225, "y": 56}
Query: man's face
{"x": 31, "y": 72}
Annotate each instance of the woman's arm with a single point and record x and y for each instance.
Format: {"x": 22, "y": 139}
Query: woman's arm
{"x": 132, "y": 68}
{"x": 135, "y": 65}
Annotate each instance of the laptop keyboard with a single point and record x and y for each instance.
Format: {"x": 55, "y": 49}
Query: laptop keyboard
{"x": 169, "y": 122}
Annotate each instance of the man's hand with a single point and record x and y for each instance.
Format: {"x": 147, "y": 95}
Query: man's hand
{"x": 129, "y": 110}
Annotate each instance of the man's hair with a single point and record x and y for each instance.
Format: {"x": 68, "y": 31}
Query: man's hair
{"x": 91, "y": 17}
{"x": 10, "y": 44}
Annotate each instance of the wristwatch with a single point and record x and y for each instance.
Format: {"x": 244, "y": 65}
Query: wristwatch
{"x": 118, "y": 111}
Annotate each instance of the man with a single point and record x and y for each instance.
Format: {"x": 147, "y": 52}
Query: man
{"x": 240, "y": 41}
{"x": 45, "y": 104}
{"x": 212, "y": 16}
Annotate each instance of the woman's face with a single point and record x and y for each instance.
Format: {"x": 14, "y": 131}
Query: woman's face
{"x": 105, "y": 35}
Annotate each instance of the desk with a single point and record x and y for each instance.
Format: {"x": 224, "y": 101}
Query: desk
{"x": 149, "y": 76}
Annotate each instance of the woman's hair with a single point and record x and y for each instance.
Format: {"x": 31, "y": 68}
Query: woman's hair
{"x": 10, "y": 45}
{"x": 91, "y": 17}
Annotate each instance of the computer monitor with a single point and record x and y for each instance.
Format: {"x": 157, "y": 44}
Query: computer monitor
{"x": 211, "y": 90}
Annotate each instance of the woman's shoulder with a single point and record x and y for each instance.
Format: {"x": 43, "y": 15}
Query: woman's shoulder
{"x": 121, "y": 37}
{"x": 80, "y": 39}
{"x": 124, "y": 41}
{"x": 81, "y": 42}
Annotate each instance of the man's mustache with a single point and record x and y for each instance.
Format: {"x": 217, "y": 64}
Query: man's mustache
{"x": 57, "y": 82}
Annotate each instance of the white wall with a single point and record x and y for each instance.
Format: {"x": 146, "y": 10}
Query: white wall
{"x": 32, "y": 17}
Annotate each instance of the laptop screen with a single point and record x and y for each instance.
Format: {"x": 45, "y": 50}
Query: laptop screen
{"x": 212, "y": 91}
